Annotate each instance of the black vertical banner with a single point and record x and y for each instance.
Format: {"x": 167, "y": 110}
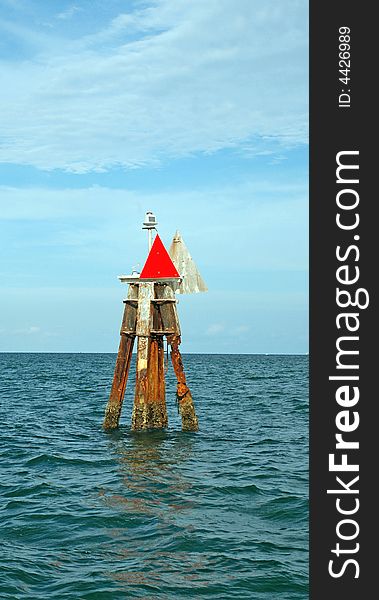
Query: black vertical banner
{"x": 344, "y": 313}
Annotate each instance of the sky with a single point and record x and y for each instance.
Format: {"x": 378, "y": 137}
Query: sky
{"x": 195, "y": 110}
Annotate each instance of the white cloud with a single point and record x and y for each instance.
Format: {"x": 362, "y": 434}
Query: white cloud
{"x": 31, "y": 330}
{"x": 241, "y": 329}
{"x": 172, "y": 79}
{"x": 232, "y": 203}
{"x": 253, "y": 225}
{"x": 69, "y": 12}
{"x": 215, "y": 329}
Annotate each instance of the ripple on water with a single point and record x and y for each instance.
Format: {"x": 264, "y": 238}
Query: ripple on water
{"x": 164, "y": 515}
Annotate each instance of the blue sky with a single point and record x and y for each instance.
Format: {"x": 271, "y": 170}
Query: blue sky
{"x": 195, "y": 110}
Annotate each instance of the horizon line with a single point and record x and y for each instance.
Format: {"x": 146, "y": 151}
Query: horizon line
{"x": 134, "y": 353}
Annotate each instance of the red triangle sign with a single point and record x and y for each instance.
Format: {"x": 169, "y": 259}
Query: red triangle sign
{"x": 158, "y": 264}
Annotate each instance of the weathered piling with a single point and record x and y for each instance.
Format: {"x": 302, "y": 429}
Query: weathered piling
{"x": 156, "y": 399}
{"x": 124, "y": 357}
{"x": 171, "y": 325}
{"x": 147, "y": 414}
{"x": 161, "y": 375}
{"x": 186, "y": 406}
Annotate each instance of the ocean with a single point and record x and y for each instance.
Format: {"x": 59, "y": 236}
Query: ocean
{"x": 218, "y": 514}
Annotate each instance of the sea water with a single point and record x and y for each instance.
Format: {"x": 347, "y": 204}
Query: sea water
{"x": 90, "y": 515}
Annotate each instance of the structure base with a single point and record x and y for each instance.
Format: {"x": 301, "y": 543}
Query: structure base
{"x": 150, "y": 314}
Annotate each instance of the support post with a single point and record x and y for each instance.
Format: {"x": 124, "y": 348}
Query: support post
{"x": 161, "y": 376}
{"x": 148, "y": 412}
{"x": 183, "y": 393}
{"x": 155, "y": 387}
{"x": 124, "y": 357}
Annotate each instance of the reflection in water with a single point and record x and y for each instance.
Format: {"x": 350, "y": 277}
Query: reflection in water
{"x": 149, "y": 463}
{"x": 157, "y": 493}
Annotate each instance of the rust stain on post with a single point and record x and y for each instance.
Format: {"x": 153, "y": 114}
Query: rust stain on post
{"x": 140, "y": 409}
{"x": 140, "y": 413}
{"x": 157, "y": 413}
{"x": 124, "y": 357}
{"x": 116, "y": 398}
{"x": 149, "y": 411}
{"x": 186, "y": 406}
{"x": 161, "y": 375}
{"x": 168, "y": 312}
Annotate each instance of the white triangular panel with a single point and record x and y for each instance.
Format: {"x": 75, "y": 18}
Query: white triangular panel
{"x": 192, "y": 282}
